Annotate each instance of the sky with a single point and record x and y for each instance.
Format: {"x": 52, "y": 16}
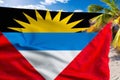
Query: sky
{"x": 54, "y": 5}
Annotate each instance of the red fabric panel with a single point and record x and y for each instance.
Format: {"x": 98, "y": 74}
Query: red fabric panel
{"x": 92, "y": 62}
{"x": 13, "y": 66}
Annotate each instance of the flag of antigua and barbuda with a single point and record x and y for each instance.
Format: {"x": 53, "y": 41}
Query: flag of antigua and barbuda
{"x": 46, "y": 45}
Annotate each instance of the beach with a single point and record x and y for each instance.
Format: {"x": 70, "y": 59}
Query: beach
{"x": 114, "y": 65}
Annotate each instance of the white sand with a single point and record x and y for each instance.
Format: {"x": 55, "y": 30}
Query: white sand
{"x": 114, "y": 65}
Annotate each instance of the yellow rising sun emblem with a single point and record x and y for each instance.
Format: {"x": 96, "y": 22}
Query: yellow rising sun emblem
{"x": 48, "y": 24}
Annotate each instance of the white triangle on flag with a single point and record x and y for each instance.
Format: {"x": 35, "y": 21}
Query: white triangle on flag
{"x": 49, "y": 63}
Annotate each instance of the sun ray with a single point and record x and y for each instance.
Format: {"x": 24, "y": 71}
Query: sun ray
{"x": 65, "y": 20}
{"x": 38, "y": 16}
{"x": 22, "y": 23}
{"x": 48, "y": 16}
{"x": 47, "y": 24}
{"x": 30, "y": 19}
{"x": 18, "y": 29}
{"x": 74, "y": 23}
{"x": 57, "y": 17}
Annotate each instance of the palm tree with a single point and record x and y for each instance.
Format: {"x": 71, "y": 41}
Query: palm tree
{"x": 110, "y": 12}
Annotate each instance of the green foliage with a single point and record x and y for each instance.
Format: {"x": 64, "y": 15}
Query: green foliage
{"x": 112, "y": 12}
{"x": 95, "y": 8}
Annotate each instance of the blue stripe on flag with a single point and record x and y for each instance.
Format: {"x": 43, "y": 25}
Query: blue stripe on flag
{"x": 49, "y": 41}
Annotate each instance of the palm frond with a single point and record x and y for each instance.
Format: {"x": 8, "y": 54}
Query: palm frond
{"x": 117, "y": 21}
{"x": 95, "y": 8}
{"x": 99, "y": 22}
{"x": 116, "y": 41}
{"x": 108, "y": 11}
{"x": 112, "y": 5}
{"x": 106, "y": 1}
